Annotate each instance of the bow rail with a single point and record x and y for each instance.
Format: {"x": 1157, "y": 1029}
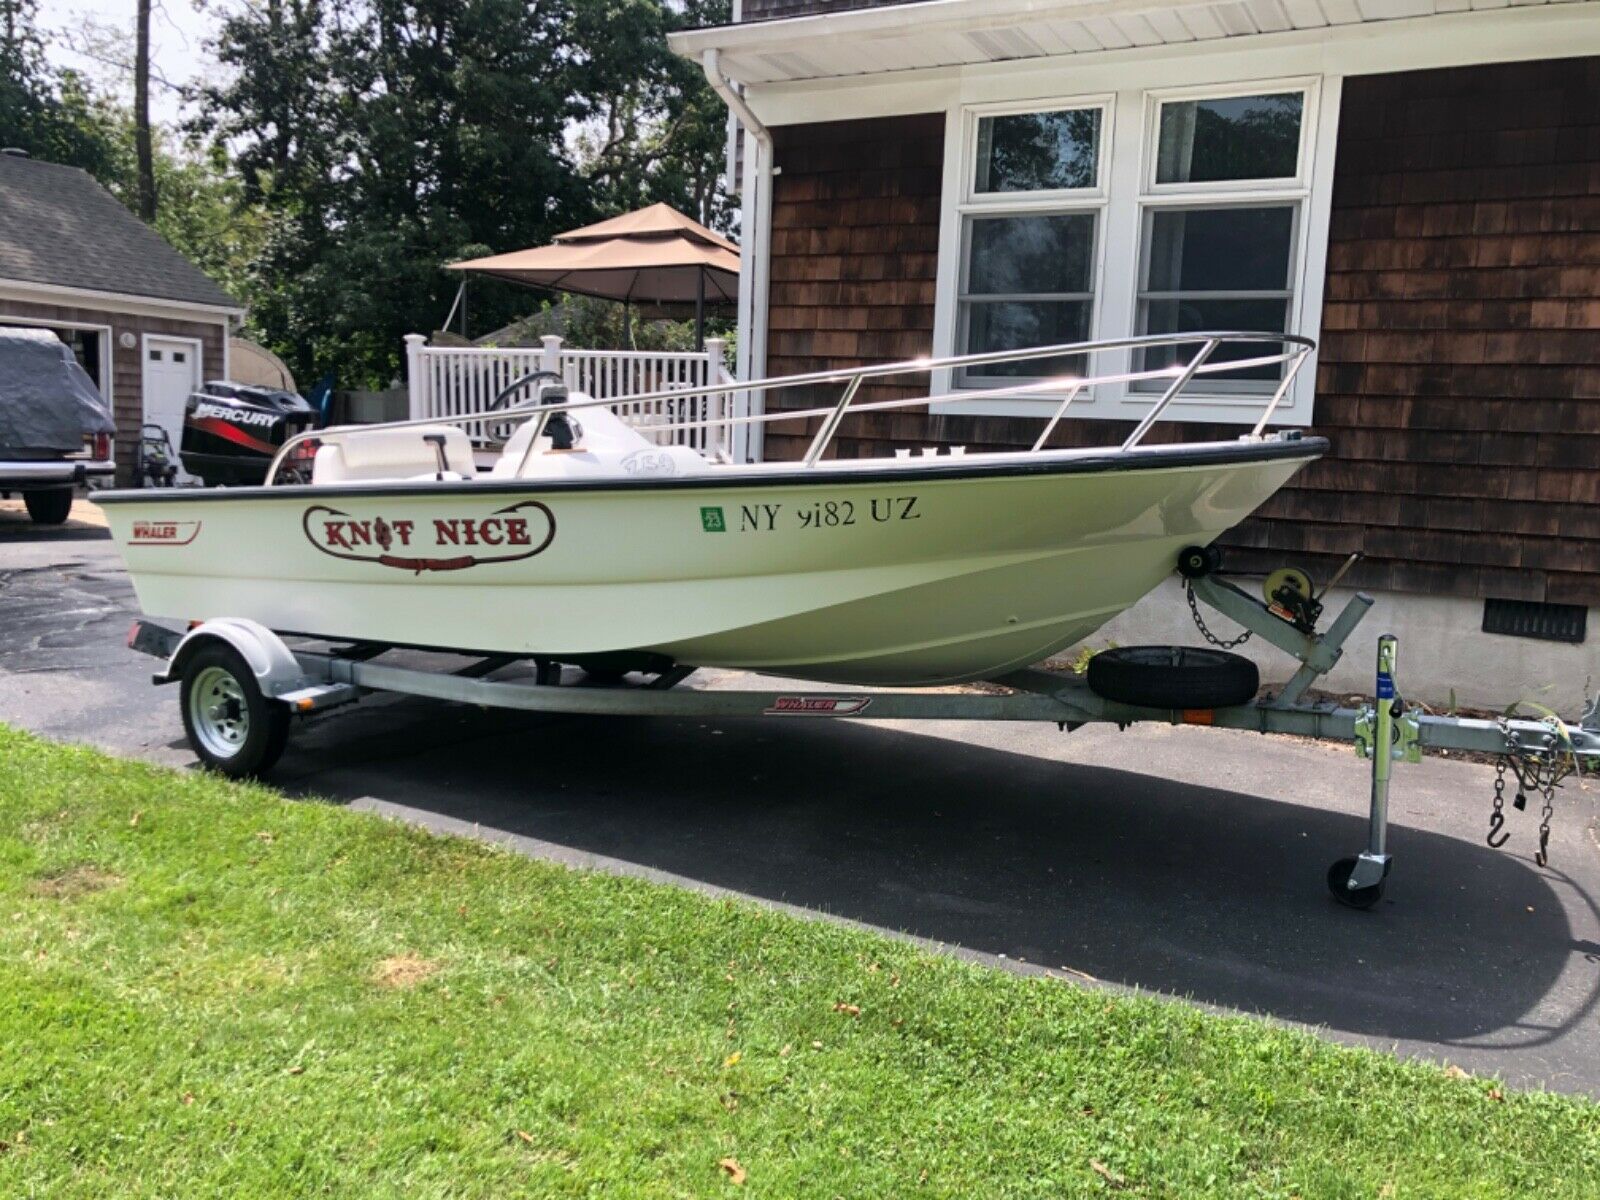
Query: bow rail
{"x": 1291, "y": 351}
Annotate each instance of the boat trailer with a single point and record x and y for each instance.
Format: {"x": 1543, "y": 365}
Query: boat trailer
{"x": 242, "y": 683}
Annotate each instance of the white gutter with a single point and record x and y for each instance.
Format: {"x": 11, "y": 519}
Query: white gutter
{"x": 26, "y": 289}
{"x": 928, "y": 16}
{"x": 756, "y": 252}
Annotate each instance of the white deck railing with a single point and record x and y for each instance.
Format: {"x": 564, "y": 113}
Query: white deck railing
{"x": 454, "y": 382}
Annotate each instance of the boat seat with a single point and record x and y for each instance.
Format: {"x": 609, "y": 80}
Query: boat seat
{"x": 357, "y": 456}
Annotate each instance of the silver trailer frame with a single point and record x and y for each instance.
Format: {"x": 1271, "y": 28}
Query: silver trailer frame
{"x": 302, "y": 680}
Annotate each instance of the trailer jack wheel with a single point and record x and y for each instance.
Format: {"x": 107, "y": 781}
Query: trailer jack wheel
{"x": 1354, "y": 897}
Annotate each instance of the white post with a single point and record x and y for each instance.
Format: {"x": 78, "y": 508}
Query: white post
{"x": 716, "y": 349}
{"x": 416, "y": 378}
{"x": 550, "y": 356}
{"x": 730, "y": 437}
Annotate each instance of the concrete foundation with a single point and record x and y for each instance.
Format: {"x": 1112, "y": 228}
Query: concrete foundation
{"x": 1443, "y": 650}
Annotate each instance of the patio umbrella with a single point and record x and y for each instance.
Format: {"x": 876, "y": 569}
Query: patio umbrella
{"x": 655, "y": 255}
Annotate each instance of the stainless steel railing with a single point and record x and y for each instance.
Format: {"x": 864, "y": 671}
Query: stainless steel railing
{"x": 1291, "y": 353}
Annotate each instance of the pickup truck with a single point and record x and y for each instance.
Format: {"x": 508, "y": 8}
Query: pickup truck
{"x": 55, "y": 428}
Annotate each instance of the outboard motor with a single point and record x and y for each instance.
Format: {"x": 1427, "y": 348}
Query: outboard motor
{"x": 231, "y": 431}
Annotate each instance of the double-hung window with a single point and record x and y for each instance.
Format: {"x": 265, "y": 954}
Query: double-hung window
{"x": 1030, "y": 231}
{"x": 1221, "y": 210}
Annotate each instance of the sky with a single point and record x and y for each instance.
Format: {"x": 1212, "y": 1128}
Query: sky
{"x": 178, "y": 30}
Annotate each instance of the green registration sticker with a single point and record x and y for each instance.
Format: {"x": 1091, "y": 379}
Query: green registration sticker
{"x": 711, "y": 520}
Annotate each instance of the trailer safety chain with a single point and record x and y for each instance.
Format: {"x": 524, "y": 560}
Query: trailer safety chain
{"x": 1542, "y": 855}
{"x": 1497, "y": 818}
{"x": 1200, "y": 624}
{"x": 1540, "y": 772}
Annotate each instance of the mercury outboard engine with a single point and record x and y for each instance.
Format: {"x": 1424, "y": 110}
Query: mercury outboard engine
{"x": 231, "y": 431}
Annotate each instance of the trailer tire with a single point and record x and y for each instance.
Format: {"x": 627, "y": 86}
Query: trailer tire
{"x": 233, "y": 727}
{"x": 48, "y": 506}
{"x": 1173, "y": 677}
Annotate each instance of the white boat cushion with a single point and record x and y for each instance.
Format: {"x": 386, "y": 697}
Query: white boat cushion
{"x": 354, "y": 456}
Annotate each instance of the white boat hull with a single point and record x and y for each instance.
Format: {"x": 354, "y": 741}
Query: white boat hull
{"x": 893, "y": 575}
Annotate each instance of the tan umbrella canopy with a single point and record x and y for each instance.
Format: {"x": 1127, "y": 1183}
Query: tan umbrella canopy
{"x": 655, "y": 256}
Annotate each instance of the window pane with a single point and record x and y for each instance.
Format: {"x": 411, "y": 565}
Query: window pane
{"x": 1036, "y": 152}
{"x": 1196, "y": 313}
{"x": 1220, "y": 249}
{"x": 1010, "y": 255}
{"x": 1243, "y": 137}
{"x": 1013, "y": 325}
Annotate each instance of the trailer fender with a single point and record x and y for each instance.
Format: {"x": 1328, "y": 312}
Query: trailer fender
{"x": 276, "y": 669}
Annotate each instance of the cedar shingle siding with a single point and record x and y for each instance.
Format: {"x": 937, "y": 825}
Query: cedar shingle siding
{"x": 1460, "y": 366}
{"x": 855, "y": 250}
{"x": 1460, "y": 370}
{"x": 772, "y": 10}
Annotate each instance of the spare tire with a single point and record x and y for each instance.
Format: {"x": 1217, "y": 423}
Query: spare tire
{"x": 1173, "y": 677}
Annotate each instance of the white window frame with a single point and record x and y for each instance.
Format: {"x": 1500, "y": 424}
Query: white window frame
{"x": 1292, "y": 190}
{"x": 1127, "y": 188}
{"x": 1045, "y": 202}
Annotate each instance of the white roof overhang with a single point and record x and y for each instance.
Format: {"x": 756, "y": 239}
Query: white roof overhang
{"x": 955, "y": 33}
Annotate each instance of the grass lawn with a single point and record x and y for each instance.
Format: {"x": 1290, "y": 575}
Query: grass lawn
{"x": 206, "y": 990}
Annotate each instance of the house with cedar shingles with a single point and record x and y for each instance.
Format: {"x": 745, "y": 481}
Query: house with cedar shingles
{"x": 1413, "y": 183}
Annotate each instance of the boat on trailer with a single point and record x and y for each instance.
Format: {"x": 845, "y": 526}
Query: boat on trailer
{"x": 567, "y": 539}
{"x": 583, "y": 540}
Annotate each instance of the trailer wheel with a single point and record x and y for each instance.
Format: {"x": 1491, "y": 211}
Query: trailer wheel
{"x": 1173, "y": 677}
{"x": 232, "y": 726}
{"x": 1339, "y": 885}
{"x": 49, "y": 506}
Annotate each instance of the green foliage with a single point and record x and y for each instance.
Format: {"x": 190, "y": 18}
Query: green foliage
{"x": 1080, "y": 660}
{"x": 350, "y": 148}
{"x": 52, "y": 115}
{"x": 208, "y": 990}
{"x": 58, "y": 117}
{"x": 592, "y": 324}
{"x": 385, "y": 138}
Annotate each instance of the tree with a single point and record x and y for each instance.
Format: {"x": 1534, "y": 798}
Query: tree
{"x": 659, "y": 131}
{"x": 141, "y": 113}
{"x": 52, "y": 115}
{"x": 385, "y": 138}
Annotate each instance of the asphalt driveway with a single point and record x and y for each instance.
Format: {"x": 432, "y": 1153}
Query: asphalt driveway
{"x": 1177, "y": 860}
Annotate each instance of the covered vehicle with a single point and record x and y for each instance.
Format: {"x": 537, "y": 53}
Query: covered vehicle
{"x": 55, "y": 427}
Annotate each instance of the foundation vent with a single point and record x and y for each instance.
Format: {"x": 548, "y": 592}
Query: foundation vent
{"x": 1532, "y": 619}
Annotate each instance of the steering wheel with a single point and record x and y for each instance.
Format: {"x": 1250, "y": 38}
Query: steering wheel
{"x": 501, "y": 431}
{"x": 516, "y": 385}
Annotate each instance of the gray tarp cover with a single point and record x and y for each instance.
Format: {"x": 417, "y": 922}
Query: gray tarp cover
{"x": 47, "y": 401}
